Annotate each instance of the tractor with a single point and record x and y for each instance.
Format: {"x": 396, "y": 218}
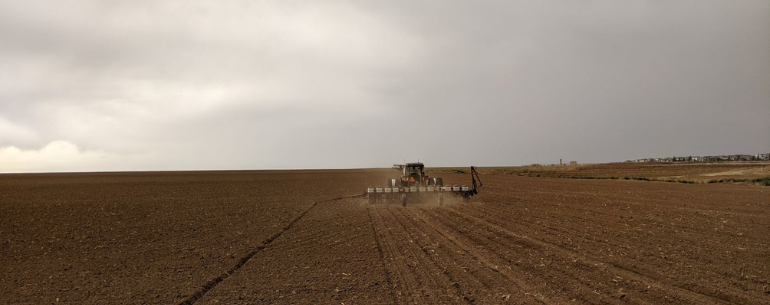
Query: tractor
{"x": 414, "y": 184}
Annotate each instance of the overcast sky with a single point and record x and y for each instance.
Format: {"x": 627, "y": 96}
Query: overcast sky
{"x": 185, "y": 85}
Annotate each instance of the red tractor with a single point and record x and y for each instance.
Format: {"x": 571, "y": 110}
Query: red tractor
{"x": 413, "y": 174}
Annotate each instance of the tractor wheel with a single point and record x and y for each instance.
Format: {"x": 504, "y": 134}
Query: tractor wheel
{"x": 403, "y": 200}
{"x": 439, "y": 181}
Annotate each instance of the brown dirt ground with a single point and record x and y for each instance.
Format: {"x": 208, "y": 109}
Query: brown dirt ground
{"x": 160, "y": 238}
{"x": 697, "y": 172}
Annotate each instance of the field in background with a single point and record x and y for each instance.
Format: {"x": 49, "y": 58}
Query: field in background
{"x": 273, "y": 237}
{"x": 746, "y": 172}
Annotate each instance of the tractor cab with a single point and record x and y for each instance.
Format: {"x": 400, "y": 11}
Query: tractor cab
{"x": 415, "y": 170}
{"x": 413, "y": 174}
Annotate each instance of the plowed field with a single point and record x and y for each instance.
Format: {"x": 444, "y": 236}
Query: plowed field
{"x": 285, "y": 237}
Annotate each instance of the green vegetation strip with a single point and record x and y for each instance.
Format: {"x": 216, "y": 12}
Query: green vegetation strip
{"x": 759, "y": 181}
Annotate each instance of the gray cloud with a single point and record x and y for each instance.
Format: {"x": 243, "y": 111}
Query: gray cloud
{"x": 240, "y": 85}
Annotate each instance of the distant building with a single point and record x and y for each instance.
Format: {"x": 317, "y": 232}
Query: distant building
{"x": 736, "y": 158}
{"x": 746, "y": 158}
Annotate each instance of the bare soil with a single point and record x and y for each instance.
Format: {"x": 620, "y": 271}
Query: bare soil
{"x": 696, "y": 172}
{"x": 274, "y": 237}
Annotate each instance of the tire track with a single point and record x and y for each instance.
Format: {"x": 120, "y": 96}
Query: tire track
{"x": 407, "y": 275}
{"x": 395, "y": 266}
{"x": 481, "y": 255}
{"x": 642, "y": 276}
{"x": 490, "y": 212}
{"x": 388, "y": 276}
{"x": 520, "y": 253}
{"x": 579, "y": 263}
{"x": 416, "y": 279}
{"x": 431, "y": 252}
{"x": 243, "y": 260}
{"x": 689, "y": 295}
